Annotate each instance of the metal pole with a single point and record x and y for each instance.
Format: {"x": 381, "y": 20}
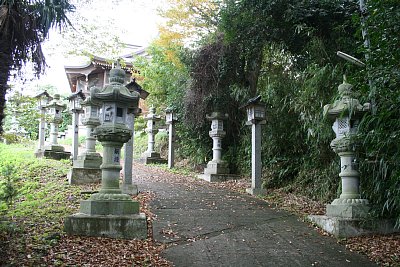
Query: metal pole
{"x": 367, "y": 45}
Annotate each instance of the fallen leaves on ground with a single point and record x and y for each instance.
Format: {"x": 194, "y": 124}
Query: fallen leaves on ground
{"x": 382, "y": 249}
{"x": 100, "y": 251}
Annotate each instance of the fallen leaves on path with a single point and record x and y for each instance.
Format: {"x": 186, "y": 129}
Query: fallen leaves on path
{"x": 381, "y": 249}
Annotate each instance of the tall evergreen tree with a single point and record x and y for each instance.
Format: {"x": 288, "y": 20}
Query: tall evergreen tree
{"x": 24, "y": 24}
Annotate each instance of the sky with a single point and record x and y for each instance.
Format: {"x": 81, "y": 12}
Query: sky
{"x": 134, "y": 21}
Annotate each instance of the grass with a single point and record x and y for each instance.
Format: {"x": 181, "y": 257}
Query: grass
{"x": 32, "y": 221}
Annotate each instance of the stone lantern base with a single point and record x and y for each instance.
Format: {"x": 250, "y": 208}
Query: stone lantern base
{"x": 349, "y": 217}
{"x": 108, "y": 218}
{"x": 217, "y": 172}
{"x": 256, "y": 191}
{"x": 86, "y": 169}
{"x": 153, "y": 158}
{"x": 53, "y": 152}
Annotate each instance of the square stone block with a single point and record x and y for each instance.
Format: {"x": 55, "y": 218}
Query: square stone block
{"x": 218, "y": 177}
{"x": 130, "y": 189}
{"x": 113, "y": 226}
{"x": 154, "y": 160}
{"x": 84, "y": 176}
{"x": 92, "y": 161}
{"x": 347, "y": 211}
{"x": 57, "y": 155}
{"x": 346, "y": 227}
{"x": 256, "y": 191}
{"x": 216, "y": 168}
{"x": 109, "y": 207}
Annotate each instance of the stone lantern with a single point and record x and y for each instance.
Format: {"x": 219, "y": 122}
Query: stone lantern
{"x": 151, "y": 156}
{"x": 55, "y": 109}
{"x": 217, "y": 170}
{"x": 42, "y": 100}
{"x": 346, "y": 114}
{"x": 255, "y": 117}
{"x": 170, "y": 119}
{"x": 109, "y": 212}
{"x": 86, "y": 168}
{"x": 76, "y": 109}
{"x": 349, "y": 207}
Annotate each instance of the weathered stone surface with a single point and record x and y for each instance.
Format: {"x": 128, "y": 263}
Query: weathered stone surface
{"x": 220, "y": 167}
{"x": 351, "y": 211}
{"x": 348, "y": 227}
{"x": 130, "y": 189}
{"x": 84, "y": 175}
{"x": 57, "y": 155}
{"x": 152, "y": 158}
{"x": 256, "y": 191}
{"x": 88, "y": 160}
{"x": 113, "y": 226}
{"x": 209, "y": 177}
{"x": 108, "y": 207}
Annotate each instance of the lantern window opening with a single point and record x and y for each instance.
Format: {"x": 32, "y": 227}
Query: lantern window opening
{"x": 120, "y": 112}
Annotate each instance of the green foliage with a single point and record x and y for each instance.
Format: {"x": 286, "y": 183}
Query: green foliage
{"x": 139, "y": 144}
{"x": 24, "y": 110}
{"x": 161, "y": 144}
{"x": 381, "y": 129}
{"x": 7, "y": 185}
{"x": 285, "y": 51}
{"x": 38, "y": 198}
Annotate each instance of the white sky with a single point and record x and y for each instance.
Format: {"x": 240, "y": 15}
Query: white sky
{"x": 137, "y": 19}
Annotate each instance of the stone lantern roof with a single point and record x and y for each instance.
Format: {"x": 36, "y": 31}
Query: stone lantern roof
{"x": 216, "y": 115}
{"x": 152, "y": 115}
{"x": 57, "y": 103}
{"x": 115, "y": 91}
{"x": 44, "y": 93}
{"x": 346, "y": 105}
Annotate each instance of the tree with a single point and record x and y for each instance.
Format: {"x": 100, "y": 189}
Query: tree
{"x": 24, "y": 25}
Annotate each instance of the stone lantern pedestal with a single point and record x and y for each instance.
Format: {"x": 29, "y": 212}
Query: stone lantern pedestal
{"x": 54, "y": 150}
{"x": 256, "y": 116}
{"x": 344, "y": 215}
{"x": 110, "y": 213}
{"x": 170, "y": 119}
{"x": 128, "y": 187}
{"x": 86, "y": 167}
{"x": 217, "y": 170}
{"x": 151, "y": 156}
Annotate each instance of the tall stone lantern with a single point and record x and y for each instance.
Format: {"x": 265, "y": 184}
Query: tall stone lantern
{"x": 217, "y": 169}
{"x": 86, "y": 168}
{"x": 344, "y": 213}
{"x": 346, "y": 114}
{"x": 43, "y": 100}
{"x": 256, "y": 116}
{"x": 55, "y": 109}
{"x": 76, "y": 109}
{"x": 109, "y": 212}
{"x": 170, "y": 119}
{"x": 151, "y": 156}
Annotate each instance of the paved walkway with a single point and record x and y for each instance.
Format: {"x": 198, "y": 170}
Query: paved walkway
{"x": 209, "y": 226}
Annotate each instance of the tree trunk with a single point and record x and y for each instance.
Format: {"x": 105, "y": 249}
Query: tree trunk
{"x": 254, "y": 72}
{"x": 5, "y": 67}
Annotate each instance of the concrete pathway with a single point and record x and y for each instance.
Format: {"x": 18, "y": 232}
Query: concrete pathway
{"x": 209, "y": 226}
